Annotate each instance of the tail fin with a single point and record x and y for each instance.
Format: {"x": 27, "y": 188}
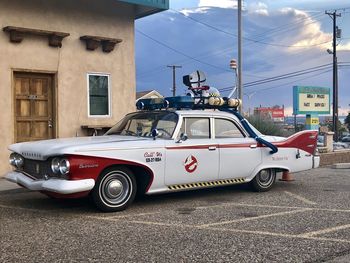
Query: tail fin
{"x": 304, "y": 140}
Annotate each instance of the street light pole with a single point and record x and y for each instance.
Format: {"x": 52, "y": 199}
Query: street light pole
{"x": 174, "y": 67}
{"x": 333, "y": 16}
{"x": 240, "y": 62}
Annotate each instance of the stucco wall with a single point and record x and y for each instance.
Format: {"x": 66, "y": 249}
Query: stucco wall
{"x": 71, "y": 63}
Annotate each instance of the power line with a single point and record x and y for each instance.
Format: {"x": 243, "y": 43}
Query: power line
{"x": 161, "y": 67}
{"x": 180, "y": 52}
{"x": 249, "y": 39}
{"x": 291, "y": 82}
{"x": 283, "y": 76}
{"x": 185, "y": 55}
{"x": 289, "y": 75}
{"x": 309, "y": 77}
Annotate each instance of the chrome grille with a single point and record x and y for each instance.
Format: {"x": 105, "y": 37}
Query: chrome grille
{"x": 37, "y": 169}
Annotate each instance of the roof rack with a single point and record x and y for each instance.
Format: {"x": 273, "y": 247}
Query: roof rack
{"x": 188, "y": 102}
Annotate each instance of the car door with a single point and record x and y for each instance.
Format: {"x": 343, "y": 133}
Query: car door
{"x": 195, "y": 159}
{"x": 239, "y": 154}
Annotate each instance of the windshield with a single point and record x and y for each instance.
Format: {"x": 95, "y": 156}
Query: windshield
{"x": 141, "y": 124}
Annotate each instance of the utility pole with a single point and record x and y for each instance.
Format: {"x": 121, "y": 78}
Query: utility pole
{"x": 174, "y": 67}
{"x": 333, "y": 15}
{"x": 240, "y": 63}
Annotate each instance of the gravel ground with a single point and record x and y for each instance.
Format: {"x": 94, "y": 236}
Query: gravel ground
{"x": 307, "y": 220}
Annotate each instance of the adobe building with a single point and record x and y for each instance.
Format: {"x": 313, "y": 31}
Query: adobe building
{"x": 66, "y": 67}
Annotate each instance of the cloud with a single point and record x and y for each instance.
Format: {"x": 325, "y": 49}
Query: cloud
{"x": 258, "y": 8}
{"x": 343, "y": 47}
{"x": 199, "y": 10}
{"x": 218, "y": 3}
{"x": 266, "y": 51}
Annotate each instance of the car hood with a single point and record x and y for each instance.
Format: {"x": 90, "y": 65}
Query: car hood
{"x": 41, "y": 150}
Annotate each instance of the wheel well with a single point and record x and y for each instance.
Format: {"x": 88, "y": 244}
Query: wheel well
{"x": 277, "y": 169}
{"x": 142, "y": 175}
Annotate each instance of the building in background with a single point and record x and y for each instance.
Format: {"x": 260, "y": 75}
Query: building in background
{"x": 276, "y": 113}
{"x": 148, "y": 94}
{"x": 66, "y": 66}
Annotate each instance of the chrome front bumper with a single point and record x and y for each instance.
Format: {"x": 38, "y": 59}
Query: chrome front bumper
{"x": 60, "y": 186}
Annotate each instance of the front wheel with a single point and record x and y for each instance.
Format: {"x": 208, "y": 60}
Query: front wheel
{"x": 115, "y": 189}
{"x": 264, "y": 180}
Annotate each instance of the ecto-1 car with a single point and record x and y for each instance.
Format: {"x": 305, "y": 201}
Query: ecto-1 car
{"x": 175, "y": 144}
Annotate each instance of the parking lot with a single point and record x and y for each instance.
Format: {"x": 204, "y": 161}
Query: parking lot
{"x": 307, "y": 220}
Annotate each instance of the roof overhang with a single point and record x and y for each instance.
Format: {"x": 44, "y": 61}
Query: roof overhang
{"x": 148, "y": 7}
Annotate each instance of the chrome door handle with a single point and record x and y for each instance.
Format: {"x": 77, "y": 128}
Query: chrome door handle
{"x": 253, "y": 146}
{"x": 212, "y": 148}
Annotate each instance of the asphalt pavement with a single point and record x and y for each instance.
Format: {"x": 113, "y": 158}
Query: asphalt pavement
{"x": 307, "y": 220}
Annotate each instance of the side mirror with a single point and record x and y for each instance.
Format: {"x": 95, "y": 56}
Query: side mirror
{"x": 155, "y": 133}
{"x": 183, "y": 137}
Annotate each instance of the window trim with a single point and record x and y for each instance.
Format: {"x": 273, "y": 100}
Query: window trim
{"x": 243, "y": 132}
{"x": 183, "y": 121}
{"x": 108, "y": 75}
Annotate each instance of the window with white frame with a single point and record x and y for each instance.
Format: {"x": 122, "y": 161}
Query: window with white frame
{"x": 99, "y": 95}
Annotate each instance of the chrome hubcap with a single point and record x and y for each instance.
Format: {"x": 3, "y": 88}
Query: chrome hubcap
{"x": 266, "y": 178}
{"x": 114, "y": 188}
{"x": 264, "y": 175}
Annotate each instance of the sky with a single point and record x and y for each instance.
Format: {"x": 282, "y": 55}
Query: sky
{"x": 280, "y": 37}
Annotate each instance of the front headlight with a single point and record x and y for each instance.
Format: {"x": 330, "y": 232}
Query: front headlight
{"x": 16, "y": 160}
{"x": 55, "y": 165}
{"x": 64, "y": 166}
{"x": 19, "y": 161}
{"x": 12, "y": 159}
{"x": 60, "y": 165}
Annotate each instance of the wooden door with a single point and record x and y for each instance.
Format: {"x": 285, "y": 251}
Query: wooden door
{"x": 33, "y": 107}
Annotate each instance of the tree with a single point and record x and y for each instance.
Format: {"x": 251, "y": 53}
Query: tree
{"x": 347, "y": 121}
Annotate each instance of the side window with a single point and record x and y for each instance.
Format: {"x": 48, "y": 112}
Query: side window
{"x": 227, "y": 129}
{"x": 99, "y": 101}
{"x": 196, "y": 128}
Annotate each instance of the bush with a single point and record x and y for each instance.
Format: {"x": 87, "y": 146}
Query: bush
{"x": 267, "y": 126}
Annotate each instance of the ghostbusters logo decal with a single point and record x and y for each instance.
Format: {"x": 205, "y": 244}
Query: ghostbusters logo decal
{"x": 191, "y": 164}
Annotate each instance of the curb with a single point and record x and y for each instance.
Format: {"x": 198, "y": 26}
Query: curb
{"x": 341, "y": 166}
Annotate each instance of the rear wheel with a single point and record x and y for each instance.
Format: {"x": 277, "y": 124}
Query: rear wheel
{"x": 115, "y": 190}
{"x": 264, "y": 180}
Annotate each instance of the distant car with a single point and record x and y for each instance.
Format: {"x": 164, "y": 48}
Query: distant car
{"x": 320, "y": 141}
{"x": 346, "y": 139}
{"x": 340, "y": 145}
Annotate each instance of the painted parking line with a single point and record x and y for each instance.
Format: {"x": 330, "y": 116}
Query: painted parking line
{"x": 24, "y": 208}
{"x": 303, "y": 199}
{"x": 264, "y": 233}
{"x": 274, "y": 206}
{"x": 117, "y": 217}
{"x": 251, "y": 232}
{"x": 325, "y": 231}
{"x": 255, "y": 218}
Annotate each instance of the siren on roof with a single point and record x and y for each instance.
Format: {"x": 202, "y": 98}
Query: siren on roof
{"x": 200, "y": 96}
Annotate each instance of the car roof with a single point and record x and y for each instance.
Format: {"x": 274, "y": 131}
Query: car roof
{"x": 199, "y": 113}
{"x": 205, "y": 113}
{"x": 195, "y": 113}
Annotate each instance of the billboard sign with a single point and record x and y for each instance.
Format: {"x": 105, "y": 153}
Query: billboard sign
{"x": 276, "y": 114}
{"x": 311, "y": 100}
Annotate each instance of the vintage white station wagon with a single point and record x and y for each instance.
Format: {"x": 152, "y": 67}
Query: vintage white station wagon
{"x": 172, "y": 144}
{"x": 158, "y": 151}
